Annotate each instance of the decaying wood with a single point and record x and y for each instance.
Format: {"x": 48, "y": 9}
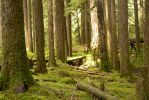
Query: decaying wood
{"x": 95, "y": 92}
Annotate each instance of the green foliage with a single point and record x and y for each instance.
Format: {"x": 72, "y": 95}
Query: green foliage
{"x": 30, "y": 54}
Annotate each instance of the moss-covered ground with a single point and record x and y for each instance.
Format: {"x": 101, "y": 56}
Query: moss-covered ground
{"x": 60, "y": 82}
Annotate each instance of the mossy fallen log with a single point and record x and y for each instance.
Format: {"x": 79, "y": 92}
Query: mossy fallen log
{"x": 73, "y": 61}
{"x": 76, "y": 61}
{"x": 101, "y": 95}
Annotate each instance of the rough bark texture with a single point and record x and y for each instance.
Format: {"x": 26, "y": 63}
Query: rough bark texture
{"x": 78, "y": 27}
{"x": 115, "y": 59}
{"x": 107, "y": 19}
{"x": 142, "y": 17}
{"x": 59, "y": 30}
{"x": 15, "y": 73}
{"x": 101, "y": 95}
{"x": 69, "y": 32}
{"x": 146, "y": 50}
{"x": 142, "y": 84}
{"x": 52, "y": 61}
{"x": 102, "y": 37}
{"x": 94, "y": 25}
{"x": 25, "y": 20}
{"x": 87, "y": 26}
{"x": 39, "y": 29}
{"x": 33, "y": 25}
{"x": 83, "y": 37}
{"x": 29, "y": 32}
{"x": 0, "y": 28}
{"x": 123, "y": 36}
{"x": 137, "y": 28}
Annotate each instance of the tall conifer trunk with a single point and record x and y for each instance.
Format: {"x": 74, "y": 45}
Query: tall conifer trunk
{"x": 15, "y": 73}
{"x": 39, "y": 31}
{"x": 123, "y": 36}
{"x": 59, "y": 22}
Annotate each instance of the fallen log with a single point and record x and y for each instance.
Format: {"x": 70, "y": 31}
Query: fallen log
{"x": 76, "y": 61}
{"x": 101, "y": 95}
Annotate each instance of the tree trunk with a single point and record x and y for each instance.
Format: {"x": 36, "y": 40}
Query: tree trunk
{"x": 87, "y": 26}
{"x": 83, "y": 38}
{"x": 137, "y": 30}
{"x": 94, "y": 25}
{"x": 25, "y": 20}
{"x": 29, "y": 32}
{"x": 69, "y": 33}
{"x": 15, "y": 73}
{"x": 107, "y": 19}
{"x": 59, "y": 30}
{"x": 123, "y": 36}
{"x": 78, "y": 27}
{"x": 0, "y": 28}
{"x": 115, "y": 59}
{"x": 142, "y": 84}
{"x": 33, "y": 25}
{"x": 101, "y": 95}
{"x": 102, "y": 37}
{"x": 52, "y": 61}
{"x": 39, "y": 30}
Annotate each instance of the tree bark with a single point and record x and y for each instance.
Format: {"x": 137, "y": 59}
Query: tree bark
{"x": 87, "y": 25}
{"x": 0, "y": 28}
{"x": 101, "y": 95}
{"x": 83, "y": 37}
{"x": 29, "y": 32}
{"x": 59, "y": 30}
{"x": 33, "y": 25}
{"x": 15, "y": 73}
{"x": 52, "y": 61}
{"x": 123, "y": 36}
{"x": 25, "y": 20}
{"x": 115, "y": 59}
{"x": 102, "y": 37}
{"x": 39, "y": 30}
{"x": 142, "y": 84}
{"x": 94, "y": 25}
{"x": 69, "y": 32}
{"x": 108, "y": 28}
{"x": 137, "y": 28}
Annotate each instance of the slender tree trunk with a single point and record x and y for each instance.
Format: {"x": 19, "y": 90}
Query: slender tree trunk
{"x": 29, "y": 36}
{"x": 39, "y": 29}
{"x": 15, "y": 73}
{"x": 0, "y": 28}
{"x": 69, "y": 32}
{"x": 115, "y": 64}
{"x": 33, "y": 25}
{"x": 123, "y": 36}
{"x": 137, "y": 29}
{"x": 59, "y": 30}
{"x": 25, "y": 21}
{"x": 102, "y": 35}
{"x": 66, "y": 37}
{"x": 94, "y": 25}
{"x": 107, "y": 17}
{"x": 83, "y": 41}
{"x": 78, "y": 29}
{"x": 87, "y": 26}
{"x": 142, "y": 17}
{"x": 52, "y": 61}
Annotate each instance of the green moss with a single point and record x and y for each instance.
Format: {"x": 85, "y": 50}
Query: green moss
{"x": 68, "y": 81}
{"x": 30, "y": 54}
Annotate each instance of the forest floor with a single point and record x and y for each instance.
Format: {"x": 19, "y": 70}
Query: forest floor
{"x": 60, "y": 83}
